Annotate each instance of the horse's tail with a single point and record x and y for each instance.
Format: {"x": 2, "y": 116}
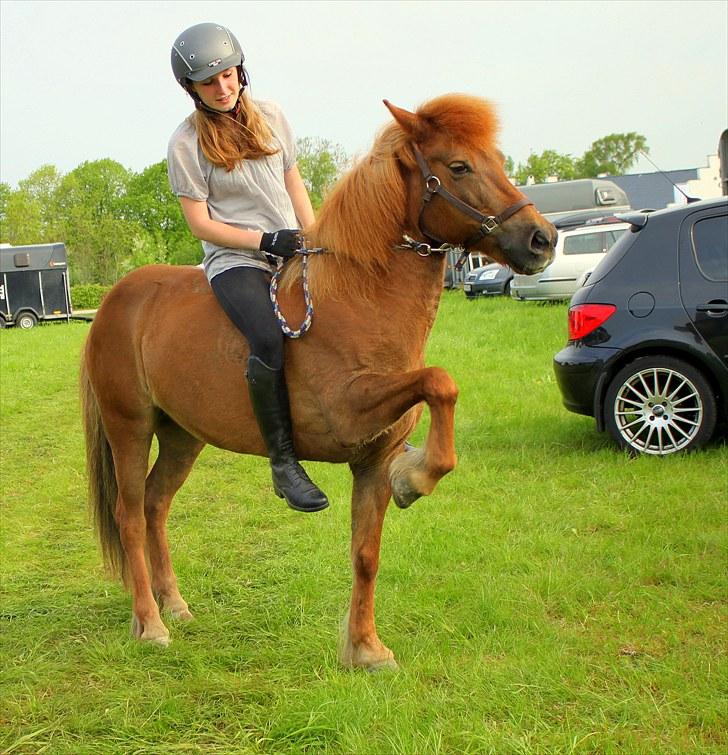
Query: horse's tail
{"x": 101, "y": 477}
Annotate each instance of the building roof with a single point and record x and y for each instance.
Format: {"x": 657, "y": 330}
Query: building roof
{"x": 654, "y": 190}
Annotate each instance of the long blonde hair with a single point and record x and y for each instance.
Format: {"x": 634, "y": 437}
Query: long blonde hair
{"x": 226, "y": 139}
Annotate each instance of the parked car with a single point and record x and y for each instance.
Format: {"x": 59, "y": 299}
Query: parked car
{"x": 647, "y": 354}
{"x": 490, "y": 280}
{"x": 580, "y": 247}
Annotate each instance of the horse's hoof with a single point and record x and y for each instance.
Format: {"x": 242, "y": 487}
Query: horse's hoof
{"x": 182, "y": 614}
{"x": 403, "y": 493}
{"x": 163, "y": 640}
{"x": 404, "y": 471}
{"x": 157, "y": 635}
{"x": 388, "y": 664}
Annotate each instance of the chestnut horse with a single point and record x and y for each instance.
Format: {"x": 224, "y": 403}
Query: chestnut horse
{"x": 162, "y": 358}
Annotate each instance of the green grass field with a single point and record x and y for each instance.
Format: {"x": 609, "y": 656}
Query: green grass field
{"x": 552, "y": 595}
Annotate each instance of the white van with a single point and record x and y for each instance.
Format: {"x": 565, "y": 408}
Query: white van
{"x": 578, "y": 251}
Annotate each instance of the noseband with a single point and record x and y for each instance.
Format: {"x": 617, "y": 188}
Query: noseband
{"x": 487, "y": 223}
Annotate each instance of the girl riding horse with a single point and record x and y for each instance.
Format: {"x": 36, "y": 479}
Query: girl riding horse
{"x": 232, "y": 164}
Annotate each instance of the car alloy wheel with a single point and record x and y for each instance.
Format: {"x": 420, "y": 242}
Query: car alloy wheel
{"x": 660, "y": 405}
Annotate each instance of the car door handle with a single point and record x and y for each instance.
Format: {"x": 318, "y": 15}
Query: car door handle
{"x": 717, "y": 307}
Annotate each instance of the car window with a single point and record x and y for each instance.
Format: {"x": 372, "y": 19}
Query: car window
{"x": 585, "y": 243}
{"x": 612, "y": 236}
{"x": 710, "y": 246}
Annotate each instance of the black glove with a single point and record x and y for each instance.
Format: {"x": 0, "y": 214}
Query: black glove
{"x": 283, "y": 243}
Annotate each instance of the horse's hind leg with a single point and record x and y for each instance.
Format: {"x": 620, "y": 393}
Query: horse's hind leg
{"x": 130, "y": 441}
{"x": 178, "y": 451}
{"x": 360, "y": 645}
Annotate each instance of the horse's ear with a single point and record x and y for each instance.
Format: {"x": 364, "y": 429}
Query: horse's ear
{"x": 410, "y": 122}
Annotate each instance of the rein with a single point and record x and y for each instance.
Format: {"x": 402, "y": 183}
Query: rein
{"x": 487, "y": 223}
{"x": 308, "y": 318}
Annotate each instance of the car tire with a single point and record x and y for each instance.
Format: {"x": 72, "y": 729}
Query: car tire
{"x": 659, "y": 405}
{"x": 26, "y": 320}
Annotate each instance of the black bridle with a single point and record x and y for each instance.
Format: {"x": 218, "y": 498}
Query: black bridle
{"x": 487, "y": 223}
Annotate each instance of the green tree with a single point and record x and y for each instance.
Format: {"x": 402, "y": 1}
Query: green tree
{"x": 101, "y": 239}
{"x": 614, "y": 155}
{"x": 5, "y": 192}
{"x": 29, "y": 215}
{"x": 149, "y": 201}
{"x": 548, "y": 163}
{"x": 321, "y": 162}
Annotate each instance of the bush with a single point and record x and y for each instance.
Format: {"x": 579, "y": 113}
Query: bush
{"x": 88, "y": 296}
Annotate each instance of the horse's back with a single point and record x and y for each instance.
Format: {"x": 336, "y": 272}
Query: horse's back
{"x": 161, "y": 341}
{"x": 139, "y": 304}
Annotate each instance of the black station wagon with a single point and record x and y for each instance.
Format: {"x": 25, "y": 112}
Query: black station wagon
{"x": 647, "y": 354}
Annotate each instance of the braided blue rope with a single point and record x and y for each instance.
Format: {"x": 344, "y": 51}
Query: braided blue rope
{"x": 308, "y": 318}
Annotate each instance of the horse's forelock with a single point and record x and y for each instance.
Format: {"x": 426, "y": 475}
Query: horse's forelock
{"x": 467, "y": 119}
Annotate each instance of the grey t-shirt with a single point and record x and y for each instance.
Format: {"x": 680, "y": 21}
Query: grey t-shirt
{"x": 252, "y": 196}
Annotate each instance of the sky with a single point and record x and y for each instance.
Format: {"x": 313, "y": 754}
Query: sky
{"x": 90, "y": 80}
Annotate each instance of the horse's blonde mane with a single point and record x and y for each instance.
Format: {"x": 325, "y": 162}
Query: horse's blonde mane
{"x": 363, "y": 216}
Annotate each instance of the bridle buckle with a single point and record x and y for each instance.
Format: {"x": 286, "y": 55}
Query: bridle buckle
{"x": 436, "y": 184}
{"x": 489, "y": 224}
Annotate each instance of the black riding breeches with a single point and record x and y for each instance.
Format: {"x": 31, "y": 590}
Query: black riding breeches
{"x": 244, "y": 294}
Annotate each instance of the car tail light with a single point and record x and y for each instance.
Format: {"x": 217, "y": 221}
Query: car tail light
{"x": 584, "y": 318}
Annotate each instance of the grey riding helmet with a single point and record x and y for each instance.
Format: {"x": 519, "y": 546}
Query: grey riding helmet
{"x": 204, "y": 50}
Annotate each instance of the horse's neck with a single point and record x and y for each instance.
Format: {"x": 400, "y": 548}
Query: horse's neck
{"x": 398, "y": 311}
{"x": 416, "y": 284}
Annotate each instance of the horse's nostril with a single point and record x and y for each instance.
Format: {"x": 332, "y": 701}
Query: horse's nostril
{"x": 539, "y": 242}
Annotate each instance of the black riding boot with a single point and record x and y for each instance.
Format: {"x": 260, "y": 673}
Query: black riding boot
{"x": 269, "y": 397}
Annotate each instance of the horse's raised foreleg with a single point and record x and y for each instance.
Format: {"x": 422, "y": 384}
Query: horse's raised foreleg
{"x": 178, "y": 451}
{"x": 130, "y": 442}
{"x": 378, "y": 401}
{"x": 360, "y": 646}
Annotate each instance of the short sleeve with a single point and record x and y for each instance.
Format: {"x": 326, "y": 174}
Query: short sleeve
{"x": 283, "y": 131}
{"x": 186, "y": 176}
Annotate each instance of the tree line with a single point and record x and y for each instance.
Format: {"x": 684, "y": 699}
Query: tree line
{"x": 611, "y": 155}
{"x": 113, "y": 220}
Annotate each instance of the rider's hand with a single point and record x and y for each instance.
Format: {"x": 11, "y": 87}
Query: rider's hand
{"x": 283, "y": 243}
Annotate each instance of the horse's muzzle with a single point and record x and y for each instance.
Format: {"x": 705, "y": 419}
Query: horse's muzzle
{"x": 535, "y": 250}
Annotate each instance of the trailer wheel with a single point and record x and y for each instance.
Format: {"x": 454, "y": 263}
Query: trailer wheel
{"x": 26, "y": 320}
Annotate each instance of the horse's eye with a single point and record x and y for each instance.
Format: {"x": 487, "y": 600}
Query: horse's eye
{"x": 459, "y": 168}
